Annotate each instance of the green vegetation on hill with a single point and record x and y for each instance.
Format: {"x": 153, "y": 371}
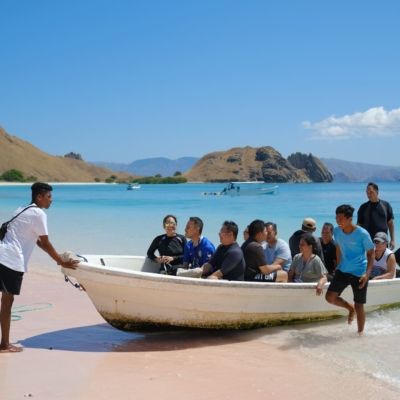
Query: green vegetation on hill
{"x": 168, "y": 179}
{"x": 13, "y": 175}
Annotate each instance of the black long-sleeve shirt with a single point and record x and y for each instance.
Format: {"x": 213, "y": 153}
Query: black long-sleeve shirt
{"x": 168, "y": 246}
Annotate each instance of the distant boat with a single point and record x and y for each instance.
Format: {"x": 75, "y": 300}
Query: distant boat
{"x": 133, "y": 186}
{"x": 244, "y": 188}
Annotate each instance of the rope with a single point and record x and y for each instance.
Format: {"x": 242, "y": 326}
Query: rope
{"x": 77, "y": 285}
{"x": 17, "y": 309}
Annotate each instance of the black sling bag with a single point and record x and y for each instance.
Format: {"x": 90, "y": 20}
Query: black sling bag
{"x": 4, "y": 226}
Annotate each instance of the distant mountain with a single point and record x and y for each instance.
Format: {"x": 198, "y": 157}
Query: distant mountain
{"x": 348, "y": 171}
{"x": 151, "y": 166}
{"x": 31, "y": 161}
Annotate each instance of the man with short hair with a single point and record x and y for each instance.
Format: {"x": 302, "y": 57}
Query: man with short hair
{"x": 376, "y": 215}
{"x": 328, "y": 247}
{"x": 276, "y": 250}
{"x": 29, "y": 227}
{"x": 199, "y": 249}
{"x": 226, "y": 263}
{"x": 355, "y": 254}
{"x": 308, "y": 226}
{"x": 257, "y": 268}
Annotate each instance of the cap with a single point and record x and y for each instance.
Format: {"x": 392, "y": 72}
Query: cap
{"x": 309, "y": 223}
{"x": 381, "y": 237}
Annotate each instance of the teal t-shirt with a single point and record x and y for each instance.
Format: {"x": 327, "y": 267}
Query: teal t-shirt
{"x": 353, "y": 248}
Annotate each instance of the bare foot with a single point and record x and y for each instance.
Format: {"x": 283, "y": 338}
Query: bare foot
{"x": 11, "y": 349}
{"x": 352, "y": 315}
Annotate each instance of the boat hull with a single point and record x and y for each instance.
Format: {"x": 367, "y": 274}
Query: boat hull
{"x": 131, "y": 297}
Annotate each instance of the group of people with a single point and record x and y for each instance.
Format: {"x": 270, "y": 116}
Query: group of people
{"x": 350, "y": 254}
{"x": 360, "y": 252}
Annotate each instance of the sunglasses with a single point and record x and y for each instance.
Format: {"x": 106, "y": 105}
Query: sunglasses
{"x": 169, "y": 223}
{"x": 378, "y": 242}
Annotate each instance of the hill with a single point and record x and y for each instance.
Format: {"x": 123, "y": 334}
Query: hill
{"x": 348, "y": 171}
{"x": 152, "y": 166}
{"x": 23, "y": 156}
{"x": 257, "y": 164}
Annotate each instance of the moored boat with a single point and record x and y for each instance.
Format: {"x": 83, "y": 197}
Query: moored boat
{"x": 133, "y": 186}
{"x": 130, "y": 295}
{"x": 244, "y": 188}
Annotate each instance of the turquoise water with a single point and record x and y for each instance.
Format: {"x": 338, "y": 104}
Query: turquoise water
{"x": 108, "y": 219}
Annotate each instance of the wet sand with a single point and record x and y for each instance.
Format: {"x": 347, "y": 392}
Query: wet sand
{"x": 70, "y": 352}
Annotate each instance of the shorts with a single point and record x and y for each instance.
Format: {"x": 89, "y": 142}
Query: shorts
{"x": 271, "y": 277}
{"x": 340, "y": 282}
{"x": 10, "y": 280}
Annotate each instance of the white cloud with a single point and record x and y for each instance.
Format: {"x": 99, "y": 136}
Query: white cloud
{"x": 374, "y": 122}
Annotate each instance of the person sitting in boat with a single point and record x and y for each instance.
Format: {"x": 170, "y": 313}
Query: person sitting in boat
{"x": 307, "y": 266}
{"x": 257, "y": 268}
{"x": 226, "y": 263}
{"x": 329, "y": 249}
{"x": 276, "y": 250}
{"x": 199, "y": 249}
{"x": 385, "y": 261}
{"x": 308, "y": 226}
{"x": 169, "y": 245}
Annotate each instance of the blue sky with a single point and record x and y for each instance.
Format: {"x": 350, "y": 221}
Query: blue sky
{"x": 125, "y": 80}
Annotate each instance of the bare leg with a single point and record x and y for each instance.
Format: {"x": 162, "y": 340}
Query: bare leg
{"x": 360, "y": 316}
{"x": 333, "y": 298}
{"x": 5, "y": 322}
{"x": 281, "y": 276}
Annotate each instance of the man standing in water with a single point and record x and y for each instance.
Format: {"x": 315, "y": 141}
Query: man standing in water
{"x": 29, "y": 227}
{"x": 355, "y": 256}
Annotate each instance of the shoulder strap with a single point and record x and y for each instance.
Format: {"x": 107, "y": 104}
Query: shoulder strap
{"x": 21, "y": 213}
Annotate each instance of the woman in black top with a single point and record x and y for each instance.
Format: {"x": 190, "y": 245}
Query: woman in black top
{"x": 169, "y": 245}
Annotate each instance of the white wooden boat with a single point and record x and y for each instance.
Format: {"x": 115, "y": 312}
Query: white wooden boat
{"x": 133, "y": 186}
{"x": 243, "y": 188}
{"x": 130, "y": 295}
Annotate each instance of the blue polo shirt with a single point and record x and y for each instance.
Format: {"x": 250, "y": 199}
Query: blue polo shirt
{"x": 353, "y": 248}
{"x": 198, "y": 255}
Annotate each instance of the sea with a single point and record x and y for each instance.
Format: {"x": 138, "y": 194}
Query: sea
{"x": 108, "y": 219}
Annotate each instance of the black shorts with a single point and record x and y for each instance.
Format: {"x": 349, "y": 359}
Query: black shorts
{"x": 271, "y": 277}
{"x": 10, "y": 280}
{"x": 340, "y": 282}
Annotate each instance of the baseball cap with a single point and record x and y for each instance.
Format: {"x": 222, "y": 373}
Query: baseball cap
{"x": 381, "y": 237}
{"x": 309, "y": 223}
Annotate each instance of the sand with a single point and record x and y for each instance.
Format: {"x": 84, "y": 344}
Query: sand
{"x": 70, "y": 352}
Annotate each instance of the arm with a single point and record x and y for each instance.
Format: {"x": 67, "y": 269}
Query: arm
{"x": 321, "y": 284}
{"x": 291, "y": 275}
{"x": 391, "y": 230}
{"x": 153, "y": 247}
{"x": 44, "y": 243}
{"x": 391, "y": 269}
{"x": 371, "y": 258}
{"x": 267, "y": 269}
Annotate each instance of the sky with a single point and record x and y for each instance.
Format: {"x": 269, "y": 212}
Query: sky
{"x": 119, "y": 80}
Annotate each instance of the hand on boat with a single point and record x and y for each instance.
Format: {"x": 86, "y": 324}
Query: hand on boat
{"x": 319, "y": 290}
{"x": 70, "y": 264}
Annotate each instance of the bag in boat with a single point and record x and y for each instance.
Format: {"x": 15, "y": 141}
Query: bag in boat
{"x": 4, "y": 225}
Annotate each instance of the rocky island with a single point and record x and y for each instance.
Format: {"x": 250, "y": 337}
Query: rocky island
{"x": 258, "y": 164}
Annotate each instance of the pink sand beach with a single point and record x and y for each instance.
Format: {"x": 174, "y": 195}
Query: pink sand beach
{"x": 70, "y": 352}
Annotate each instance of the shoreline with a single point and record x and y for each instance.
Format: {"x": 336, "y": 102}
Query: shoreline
{"x": 70, "y": 352}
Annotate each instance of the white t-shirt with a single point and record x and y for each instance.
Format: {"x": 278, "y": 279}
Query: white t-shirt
{"x": 21, "y": 237}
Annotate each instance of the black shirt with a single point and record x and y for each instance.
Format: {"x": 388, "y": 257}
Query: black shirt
{"x": 229, "y": 261}
{"x": 374, "y": 216}
{"x": 329, "y": 250}
{"x": 168, "y": 246}
{"x": 254, "y": 257}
